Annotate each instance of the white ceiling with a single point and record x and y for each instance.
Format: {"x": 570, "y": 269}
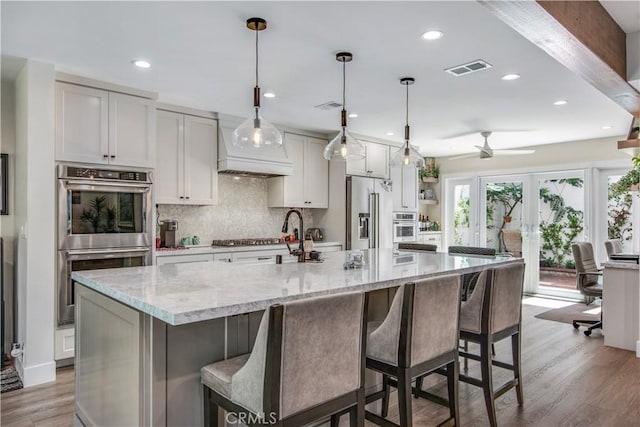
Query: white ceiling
{"x": 626, "y": 13}
{"x": 202, "y": 57}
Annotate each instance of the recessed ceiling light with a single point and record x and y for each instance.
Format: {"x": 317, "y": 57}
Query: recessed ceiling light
{"x": 560, "y": 102}
{"x": 353, "y": 115}
{"x": 432, "y": 35}
{"x": 269, "y": 95}
{"x": 141, "y": 63}
{"x": 606, "y": 127}
{"x": 511, "y": 77}
{"x": 389, "y": 133}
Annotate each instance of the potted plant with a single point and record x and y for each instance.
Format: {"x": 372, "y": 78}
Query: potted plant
{"x": 429, "y": 174}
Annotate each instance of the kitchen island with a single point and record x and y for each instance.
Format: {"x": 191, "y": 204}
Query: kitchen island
{"x": 621, "y": 305}
{"x": 143, "y": 333}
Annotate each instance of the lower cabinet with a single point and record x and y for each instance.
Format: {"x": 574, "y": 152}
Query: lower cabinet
{"x": 178, "y": 259}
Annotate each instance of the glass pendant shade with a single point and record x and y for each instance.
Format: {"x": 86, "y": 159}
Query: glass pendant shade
{"x": 407, "y": 156}
{"x": 344, "y": 147}
{"x": 256, "y": 132}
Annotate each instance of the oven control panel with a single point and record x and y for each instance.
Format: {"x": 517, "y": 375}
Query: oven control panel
{"x": 118, "y": 175}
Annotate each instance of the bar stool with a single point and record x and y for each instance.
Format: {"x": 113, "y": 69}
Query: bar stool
{"x": 418, "y": 336}
{"x": 492, "y": 313}
{"x": 307, "y": 364}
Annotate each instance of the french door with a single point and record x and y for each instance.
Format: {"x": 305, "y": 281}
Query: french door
{"x": 537, "y": 217}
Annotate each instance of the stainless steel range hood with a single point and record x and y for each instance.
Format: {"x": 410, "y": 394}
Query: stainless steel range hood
{"x": 265, "y": 162}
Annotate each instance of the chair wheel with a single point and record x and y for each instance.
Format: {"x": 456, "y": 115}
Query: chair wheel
{"x": 587, "y": 332}
{"x": 575, "y": 325}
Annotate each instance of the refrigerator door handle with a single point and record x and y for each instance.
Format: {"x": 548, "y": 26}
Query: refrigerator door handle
{"x": 374, "y": 202}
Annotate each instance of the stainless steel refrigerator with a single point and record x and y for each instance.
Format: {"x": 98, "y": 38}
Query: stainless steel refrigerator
{"x": 369, "y": 213}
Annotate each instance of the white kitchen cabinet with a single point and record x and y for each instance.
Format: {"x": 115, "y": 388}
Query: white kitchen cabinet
{"x": 431, "y": 237}
{"x": 405, "y": 188}
{"x": 186, "y": 172}
{"x": 375, "y": 164}
{"x": 179, "y": 259}
{"x": 102, "y": 127}
{"x": 308, "y": 186}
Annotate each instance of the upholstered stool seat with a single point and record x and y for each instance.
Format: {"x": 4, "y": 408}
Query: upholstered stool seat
{"x": 307, "y": 364}
{"x": 217, "y": 376}
{"x": 493, "y": 313}
{"x": 419, "y": 335}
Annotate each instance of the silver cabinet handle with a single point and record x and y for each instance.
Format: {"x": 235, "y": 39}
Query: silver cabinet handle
{"x": 104, "y": 156}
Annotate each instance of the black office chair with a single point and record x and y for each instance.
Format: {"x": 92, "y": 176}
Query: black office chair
{"x": 587, "y": 280}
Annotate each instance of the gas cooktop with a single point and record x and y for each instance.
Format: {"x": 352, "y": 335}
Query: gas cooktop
{"x": 247, "y": 242}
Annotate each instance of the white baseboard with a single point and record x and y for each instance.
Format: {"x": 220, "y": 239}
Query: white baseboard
{"x": 35, "y": 375}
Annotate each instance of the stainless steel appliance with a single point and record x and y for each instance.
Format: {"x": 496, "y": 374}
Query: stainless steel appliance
{"x": 405, "y": 227}
{"x": 104, "y": 221}
{"x": 369, "y": 213}
{"x": 103, "y": 208}
{"x": 168, "y": 233}
{"x": 91, "y": 259}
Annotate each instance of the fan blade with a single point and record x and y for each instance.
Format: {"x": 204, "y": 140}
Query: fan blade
{"x": 464, "y": 156}
{"x": 512, "y": 152}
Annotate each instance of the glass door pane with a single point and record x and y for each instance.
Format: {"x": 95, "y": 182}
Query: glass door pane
{"x": 620, "y": 214}
{"x": 560, "y": 223}
{"x": 503, "y": 215}
{"x": 460, "y": 211}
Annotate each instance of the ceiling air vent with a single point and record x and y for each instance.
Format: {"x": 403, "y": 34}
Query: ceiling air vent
{"x": 471, "y": 67}
{"x": 331, "y": 105}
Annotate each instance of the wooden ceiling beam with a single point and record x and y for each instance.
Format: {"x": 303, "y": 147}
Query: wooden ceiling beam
{"x": 581, "y": 36}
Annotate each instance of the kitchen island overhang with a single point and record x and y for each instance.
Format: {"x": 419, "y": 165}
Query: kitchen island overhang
{"x": 151, "y": 329}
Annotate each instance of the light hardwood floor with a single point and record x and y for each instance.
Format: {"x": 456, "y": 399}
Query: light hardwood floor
{"x": 569, "y": 380}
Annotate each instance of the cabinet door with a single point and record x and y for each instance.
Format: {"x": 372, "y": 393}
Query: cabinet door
{"x": 132, "y": 130}
{"x": 82, "y": 124}
{"x": 293, "y": 185}
{"x": 410, "y": 188}
{"x": 316, "y": 174}
{"x": 359, "y": 167}
{"x": 201, "y": 160}
{"x": 377, "y": 160}
{"x": 169, "y": 176}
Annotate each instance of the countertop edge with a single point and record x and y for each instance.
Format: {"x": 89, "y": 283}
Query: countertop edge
{"x": 622, "y": 265}
{"x": 195, "y": 250}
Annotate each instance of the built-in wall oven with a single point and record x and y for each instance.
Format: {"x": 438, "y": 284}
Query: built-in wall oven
{"x": 104, "y": 221}
{"x": 405, "y": 227}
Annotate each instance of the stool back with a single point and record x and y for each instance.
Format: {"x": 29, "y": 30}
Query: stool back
{"x": 613, "y": 247}
{"x": 435, "y": 322}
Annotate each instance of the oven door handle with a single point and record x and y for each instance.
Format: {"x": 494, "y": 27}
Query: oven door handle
{"x": 106, "y": 253}
{"x": 111, "y": 186}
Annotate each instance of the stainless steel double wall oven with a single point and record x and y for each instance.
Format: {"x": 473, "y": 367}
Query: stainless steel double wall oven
{"x": 104, "y": 221}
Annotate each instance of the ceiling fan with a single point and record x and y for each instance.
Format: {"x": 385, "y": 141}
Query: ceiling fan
{"x": 487, "y": 152}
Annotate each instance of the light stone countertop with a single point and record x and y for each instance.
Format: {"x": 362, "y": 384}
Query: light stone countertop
{"x": 206, "y": 249}
{"x": 191, "y": 292}
{"x": 622, "y": 265}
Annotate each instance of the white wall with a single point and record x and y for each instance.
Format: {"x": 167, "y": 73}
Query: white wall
{"x": 576, "y": 154}
{"x": 7, "y": 223}
{"x": 35, "y": 221}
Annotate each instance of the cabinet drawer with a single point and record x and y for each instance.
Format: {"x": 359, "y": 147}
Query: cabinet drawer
{"x": 178, "y": 259}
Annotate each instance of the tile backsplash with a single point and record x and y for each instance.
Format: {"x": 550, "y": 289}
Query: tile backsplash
{"x": 241, "y": 213}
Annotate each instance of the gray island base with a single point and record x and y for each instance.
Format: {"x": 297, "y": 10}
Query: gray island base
{"x": 143, "y": 333}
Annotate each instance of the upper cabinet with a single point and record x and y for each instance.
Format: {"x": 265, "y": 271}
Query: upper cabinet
{"x": 308, "y": 186}
{"x": 186, "y": 171}
{"x": 405, "y": 188}
{"x": 102, "y": 127}
{"x": 375, "y": 164}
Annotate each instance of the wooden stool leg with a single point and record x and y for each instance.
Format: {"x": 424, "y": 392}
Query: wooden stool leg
{"x": 452, "y": 387}
{"x": 419, "y": 382}
{"x": 515, "y": 351}
{"x": 210, "y": 411}
{"x": 466, "y": 361}
{"x": 487, "y": 380}
{"x": 385, "y": 399}
{"x": 404, "y": 398}
{"x": 335, "y": 420}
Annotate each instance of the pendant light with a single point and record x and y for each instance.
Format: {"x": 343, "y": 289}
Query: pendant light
{"x": 256, "y": 132}
{"x": 344, "y": 146}
{"x": 407, "y": 156}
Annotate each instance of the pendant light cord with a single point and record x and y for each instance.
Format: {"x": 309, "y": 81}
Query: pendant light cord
{"x": 257, "y": 56}
{"x": 344, "y": 85}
